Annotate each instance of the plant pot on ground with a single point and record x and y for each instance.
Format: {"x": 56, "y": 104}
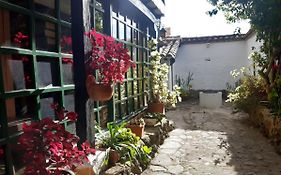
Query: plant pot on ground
{"x": 137, "y": 127}
{"x": 155, "y": 107}
{"x": 151, "y": 119}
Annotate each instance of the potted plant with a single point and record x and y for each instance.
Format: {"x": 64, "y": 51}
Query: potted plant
{"x": 111, "y": 60}
{"x": 160, "y": 93}
{"x": 137, "y": 126}
{"x": 49, "y": 149}
{"x": 124, "y": 145}
{"x": 151, "y": 119}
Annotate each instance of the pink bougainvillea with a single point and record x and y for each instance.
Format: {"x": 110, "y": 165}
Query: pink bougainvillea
{"x": 47, "y": 146}
{"x": 109, "y": 57}
{"x": 21, "y": 40}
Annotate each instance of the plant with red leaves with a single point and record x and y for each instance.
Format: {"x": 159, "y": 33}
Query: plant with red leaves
{"x": 21, "y": 40}
{"x": 48, "y": 147}
{"x": 109, "y": 57}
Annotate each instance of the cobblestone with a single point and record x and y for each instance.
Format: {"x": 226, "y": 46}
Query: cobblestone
{"x": 214, "y": 142}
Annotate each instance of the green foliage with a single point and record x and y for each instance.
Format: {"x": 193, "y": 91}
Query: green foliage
{"x": 249, "y": 93}
{"x": 126, "y": 143}
{"x": 184, "y": 84}
{"x": 159, "y": 76}
{"x": 274, "y": 98}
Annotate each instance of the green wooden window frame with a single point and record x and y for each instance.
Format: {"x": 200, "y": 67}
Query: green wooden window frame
{"x": 60, "y": 92}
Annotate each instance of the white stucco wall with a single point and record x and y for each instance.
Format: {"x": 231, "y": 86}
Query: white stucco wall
{"x": 215, "y": 73}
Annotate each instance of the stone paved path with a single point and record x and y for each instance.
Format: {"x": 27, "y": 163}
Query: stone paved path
{"x": 214, "y": 142}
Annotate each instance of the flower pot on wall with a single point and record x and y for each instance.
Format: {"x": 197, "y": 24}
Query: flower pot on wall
{"x": 98, "y": 92}
{"x": 156, "y": 108}
{"x": 137, "y": 129}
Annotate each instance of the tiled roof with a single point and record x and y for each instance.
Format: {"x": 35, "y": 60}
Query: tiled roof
{"x": 169, "y": 48}
{"x": 217, "y": 38}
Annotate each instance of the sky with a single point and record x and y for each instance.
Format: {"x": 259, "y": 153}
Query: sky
{"x": 188, "y": 18}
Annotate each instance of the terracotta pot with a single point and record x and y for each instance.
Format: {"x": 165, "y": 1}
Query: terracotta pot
{"x": 156, "y": 108}
{"x": 98, "y": 92}
{"x": 137, "y": 129}
{"x": 84, "y": 170}
{"x": 114, "y": 157}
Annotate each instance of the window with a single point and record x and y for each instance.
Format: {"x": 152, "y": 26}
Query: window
{"x": 36, "y": 66}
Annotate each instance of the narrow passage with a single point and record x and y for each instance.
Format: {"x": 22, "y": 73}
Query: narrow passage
{"x": 214, "y": 142}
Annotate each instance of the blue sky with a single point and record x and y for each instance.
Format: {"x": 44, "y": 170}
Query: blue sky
{"x": 188, "y": 18}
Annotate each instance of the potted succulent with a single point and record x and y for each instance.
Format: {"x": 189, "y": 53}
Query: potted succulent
{"x": 111, "y": 60}
{"x": 137, "y": 126}
{"x": 160, "y": 93}
{"x": 49, "y": 149}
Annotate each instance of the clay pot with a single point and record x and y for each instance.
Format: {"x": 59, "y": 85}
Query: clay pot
{"x": 84, "y": 170}
{"x": 114, "y": 157}
{"x": 156, "y": 108}
{"x": 98, "y": 92}
{"x": 137, "y": 129}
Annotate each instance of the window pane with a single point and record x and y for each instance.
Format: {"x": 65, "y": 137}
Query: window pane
{"x": 129, "y": 34}
{"x": 121, "y": 31}
{"x": 69, "y": 101}
{"x": 14, "y": 29}
{"x": 114, "y": 28}
{"x": 45, "y": 6}
{"x": 45, "y": 36}
{"x": 67, "y": 69}
{"x": 66, "y": 40}
{"x": 124, "y": 108}
{"x": 103, "y": 117}
{"x": 135, "y": 37}
{"x": 17, "y": 71}
{"x": 46, "y": 100}
{"x": 20, "y": 108}
{"x": 48, "y": 72}
{"x": 23, "y": 3}
{"x": 99, "y": 21}
{"x": 65, "y": 10}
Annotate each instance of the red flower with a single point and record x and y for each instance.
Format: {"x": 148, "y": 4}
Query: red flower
{"x": 47, "y": 144}
{"x": 109, "y": 57}
{"x": 21, "y": 40}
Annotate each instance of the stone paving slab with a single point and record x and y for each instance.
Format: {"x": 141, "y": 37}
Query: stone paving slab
{"x": 213, "y": 142}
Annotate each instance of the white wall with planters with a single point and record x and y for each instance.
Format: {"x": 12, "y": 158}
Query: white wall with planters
{"x": 211, "y": 59}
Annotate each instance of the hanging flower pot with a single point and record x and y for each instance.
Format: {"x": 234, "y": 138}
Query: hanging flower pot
{"x": 156, "y": 107}
{"x": 98, "y": 92}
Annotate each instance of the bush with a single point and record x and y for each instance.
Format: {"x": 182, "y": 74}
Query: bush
{"x": 249, "y": 93}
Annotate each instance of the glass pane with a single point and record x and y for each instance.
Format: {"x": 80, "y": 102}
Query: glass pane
{"x": 14, "y": 29}
{"x": 65, "y": 10}
{"x": 45, "y": 36}
{"x": 20, "y": 108}
{"x": 135, "y": 87}
{"x": 114, "y": 28}
{"x": 99, "y": 21}
{"x": 140, "y": 58}
{"x": 123, "y": 109}
{"x": 136, "y": 102}
{"x": 121, "y": 31}
{"x": 69, "y": 101}
{"x": 117, "y": 111}
{"x": 139, "y": 70}
{"x": 46, "y": 100}
{"x": 123, "y": 90}
{"x": 2, "y": 162}
{"x": 135, "y": 37}
{"x": 23, "y": 3}
{"x": 103, "y": 117}
{"x": 134, "y": 56}
{"x": 66, "y": 40}
{"x": 67, "y": 69}
{"x": 130, "y": 88}
{"x": 131, "y": 105}
{"x": 141, "y": 101}
{"x": 45, "y": 6}
{"x": 129, "y": 34}
{"x": 17, "y": 71}
{"x": 48, "y": 72}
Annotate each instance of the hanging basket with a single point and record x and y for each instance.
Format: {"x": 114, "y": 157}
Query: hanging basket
{"x": 98, "y": 92}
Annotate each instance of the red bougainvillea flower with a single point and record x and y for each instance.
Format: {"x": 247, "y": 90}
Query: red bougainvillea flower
{"x": 109, "y": 57}
{"x": 1, "y": 153}
{"x": 47, "y": 146}
{"x": 21, "y": 40}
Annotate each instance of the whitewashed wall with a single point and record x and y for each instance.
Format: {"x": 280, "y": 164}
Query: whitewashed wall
{"x": 211, "y": 63}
